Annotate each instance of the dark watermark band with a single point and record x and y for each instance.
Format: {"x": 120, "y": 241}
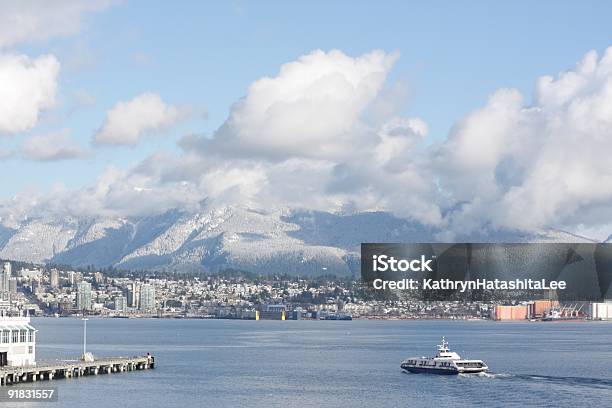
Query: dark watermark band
{"x": 475, "y": 271}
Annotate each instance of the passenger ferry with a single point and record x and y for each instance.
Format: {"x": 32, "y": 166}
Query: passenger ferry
{"x": 445, "y": 362}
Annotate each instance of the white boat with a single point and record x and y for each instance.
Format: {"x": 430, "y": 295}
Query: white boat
{"x": 445, "y": 362}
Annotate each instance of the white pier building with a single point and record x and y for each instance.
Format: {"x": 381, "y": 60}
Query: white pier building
{"x": 17, "y": 342}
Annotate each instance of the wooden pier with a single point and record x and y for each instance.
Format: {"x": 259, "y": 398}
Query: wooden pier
{"x": 69, "y": 369}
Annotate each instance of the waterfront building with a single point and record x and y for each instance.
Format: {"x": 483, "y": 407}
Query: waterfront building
{"x": 518, "y": 312}
{"x": 83, "y": 296}
{"x": 276, "y": 308}
{"x": 540, "y": 308}
{"x": 17, "y": 342}
{"x": 272, "y": 312}
{"x": 601, "y": 311}
{"x": 147, "y": 298}
{"x": 120, "y": 303}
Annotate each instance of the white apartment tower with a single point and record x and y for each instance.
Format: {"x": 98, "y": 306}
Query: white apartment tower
{"x": 83, "y": 296}
{"x": 147, "y": 298}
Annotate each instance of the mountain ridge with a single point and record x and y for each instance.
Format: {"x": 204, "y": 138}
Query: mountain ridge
{"x": 294, "y": 241}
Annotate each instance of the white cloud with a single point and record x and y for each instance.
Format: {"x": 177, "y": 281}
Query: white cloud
{"x": 544, "y": 165}
{"x": 312, "y": 108}
{"x": 28, "y": 21}
{"x": 127, "y": 122}
{"x": 308, "y": 133}
{"x": 51, "y": 147}
{"x": 27, "y": 86}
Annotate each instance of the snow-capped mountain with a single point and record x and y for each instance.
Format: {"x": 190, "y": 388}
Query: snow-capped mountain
{"x": 293, "y": 241}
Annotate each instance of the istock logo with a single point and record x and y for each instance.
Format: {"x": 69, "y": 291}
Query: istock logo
{"x": 383, "y": 263}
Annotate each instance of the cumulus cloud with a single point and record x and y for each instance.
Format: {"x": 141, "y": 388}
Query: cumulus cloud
{"x": 523, "y": 166}
{"x": 51, "y": 147}
{"x": 127, "y": 122}
{"x": 312, "y": 108}
{"x": 308, "y": 132}
{"x": 28, "y": 86}
{"x": 28, "y": 21}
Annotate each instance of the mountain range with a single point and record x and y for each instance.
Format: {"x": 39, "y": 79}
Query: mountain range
{"x": 294, "y": 241}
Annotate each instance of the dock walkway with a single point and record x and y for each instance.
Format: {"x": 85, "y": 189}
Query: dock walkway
{"x": 69, "y": 369}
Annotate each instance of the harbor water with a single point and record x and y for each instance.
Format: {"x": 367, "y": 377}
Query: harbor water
{"x": 225, "y": 363}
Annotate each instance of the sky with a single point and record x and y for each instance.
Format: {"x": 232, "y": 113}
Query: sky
{"x": 466, "y": 115}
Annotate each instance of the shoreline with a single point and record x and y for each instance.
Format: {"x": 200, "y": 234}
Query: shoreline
{"x": 76, "y": 317}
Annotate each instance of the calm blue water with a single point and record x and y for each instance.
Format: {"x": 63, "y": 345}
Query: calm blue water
{"x": 222, "y": 363}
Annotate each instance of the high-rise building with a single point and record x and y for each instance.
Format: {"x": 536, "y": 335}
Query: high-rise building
{"x": 83, "y": 296}
{"x": 147, "y": 298}
{"x": 120, "y": 303}
{"x": 54, "y": 279}
{"x": 75, "y": 278}
{"x": 6, "y": 277}
{"x": 13, "y": 285}
{"x": 133, "y": 294}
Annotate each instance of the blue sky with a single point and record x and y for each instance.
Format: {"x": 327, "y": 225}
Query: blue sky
{"x": 203, "y": 56}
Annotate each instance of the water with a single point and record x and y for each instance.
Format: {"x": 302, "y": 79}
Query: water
{"x": 223, "y": 363}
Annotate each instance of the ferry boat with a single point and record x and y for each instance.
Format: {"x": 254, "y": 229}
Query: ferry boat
{"x": 445, "y": 362}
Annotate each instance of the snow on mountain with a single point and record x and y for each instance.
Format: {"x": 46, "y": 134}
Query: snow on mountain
{"x": 37, "y": 240}
{"x": 293, "y": 241}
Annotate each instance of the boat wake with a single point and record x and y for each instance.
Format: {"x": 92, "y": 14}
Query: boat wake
{"x": 580, "y": 381}
{"x": 562, "y": 380}
{"x": 486, "y": 375}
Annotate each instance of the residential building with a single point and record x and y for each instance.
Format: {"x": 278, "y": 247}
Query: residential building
{"x": 83, "y": 296}
{"x": 120, "y": 303}
{"x": 147, "y": 298}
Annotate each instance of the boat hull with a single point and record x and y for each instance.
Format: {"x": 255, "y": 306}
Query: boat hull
{"x": 438, "y": 371}
{"x": 442, "y": 371}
